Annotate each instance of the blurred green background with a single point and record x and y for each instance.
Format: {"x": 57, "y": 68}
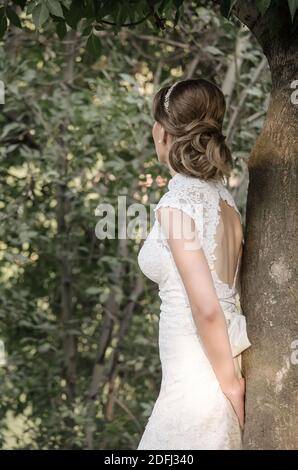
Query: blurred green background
{"x": 79, "y": 321}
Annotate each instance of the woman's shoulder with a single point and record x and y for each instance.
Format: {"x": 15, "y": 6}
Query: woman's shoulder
{"x": 173, "y": 198}
{"x": 191, "y": 194}
{"x": 188, "y": 190}
{"x": 178, "y": 198}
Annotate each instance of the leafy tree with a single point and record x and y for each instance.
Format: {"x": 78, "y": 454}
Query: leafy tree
{"x": 39, "y": 130}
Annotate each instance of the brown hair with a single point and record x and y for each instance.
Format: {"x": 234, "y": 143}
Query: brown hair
{"x": 194, "y": 117}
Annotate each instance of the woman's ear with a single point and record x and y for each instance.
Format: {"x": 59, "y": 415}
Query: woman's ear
{"x": 164, "y": 135}
{"x": 161, "y": 135}
{"x": 167, "y": 138}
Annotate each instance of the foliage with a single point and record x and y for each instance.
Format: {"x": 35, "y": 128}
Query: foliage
{"x": 76, "y": 132}
{"x": 90, "y": 16}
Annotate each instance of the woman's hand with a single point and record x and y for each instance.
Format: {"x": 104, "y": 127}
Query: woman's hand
{"x": 236, "y": 394}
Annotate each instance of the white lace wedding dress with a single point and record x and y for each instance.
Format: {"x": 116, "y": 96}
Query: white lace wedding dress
{"x": 191, "y": 412}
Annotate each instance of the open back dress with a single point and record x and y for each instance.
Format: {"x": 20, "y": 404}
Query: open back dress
{"x": 191, "y": 411}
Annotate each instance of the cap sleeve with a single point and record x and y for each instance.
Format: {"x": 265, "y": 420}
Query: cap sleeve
{"x": 175, "y": 200}
{"x": 180, "y": 201}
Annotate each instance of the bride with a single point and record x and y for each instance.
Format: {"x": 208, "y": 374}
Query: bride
{"x": 194, "y": 252}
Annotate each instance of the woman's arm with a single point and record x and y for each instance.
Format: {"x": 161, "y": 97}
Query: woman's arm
{"x": 209, "y": 318}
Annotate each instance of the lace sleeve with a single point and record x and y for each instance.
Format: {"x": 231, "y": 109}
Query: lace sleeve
{"x": 175, "y": 200}
{"x": 179, "y": 200}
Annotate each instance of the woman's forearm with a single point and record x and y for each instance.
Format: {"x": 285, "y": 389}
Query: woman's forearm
{"x": 213, "y": 332}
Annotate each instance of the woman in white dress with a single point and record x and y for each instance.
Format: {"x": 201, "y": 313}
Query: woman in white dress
{"x": 193, "y": 252}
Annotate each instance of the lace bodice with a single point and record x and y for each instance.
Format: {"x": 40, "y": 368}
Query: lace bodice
{"x": 200, "y": 200}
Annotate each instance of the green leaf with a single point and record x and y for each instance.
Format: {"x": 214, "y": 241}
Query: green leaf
{"x": 226, "y": 7}
{"x": 263, "y": 5}
{"x": 293, "y": 6}
{"x": 74, "y": 13}
{"x": 61, "y": 29}
{"x": 166, "y": 7}
{"x": 44, "y": 348}
{"x": 3, "y": 22}
{"x": 30, "y": 8}
{"x": 86, "y": 27}
{"x": 93, "y": 45}
{"x": 13, "y": 17}
{"x": 179, "y": 10}
{"x": 20, "y": 3}
{"x": 90, "y": 8}
{"x": 86, "y": 31}
{"x": 55, "y": 8}
{"x": 93, "y": 290}
{"x": 40, "y": 15}
{"x": 213, "y": 50}
{"x": 121, "y": 15}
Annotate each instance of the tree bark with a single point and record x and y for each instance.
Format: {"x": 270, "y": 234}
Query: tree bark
{"x": 269, "y": 281}
{"x": 269, "y": 270}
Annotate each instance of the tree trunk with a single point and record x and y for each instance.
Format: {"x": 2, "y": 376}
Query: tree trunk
{"x": 269, "y": 282}
{"x": 64, "y": 259}
{"x": 269, "y": 274}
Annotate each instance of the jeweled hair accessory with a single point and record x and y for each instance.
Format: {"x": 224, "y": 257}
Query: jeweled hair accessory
{"x": 167, "y": 97}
